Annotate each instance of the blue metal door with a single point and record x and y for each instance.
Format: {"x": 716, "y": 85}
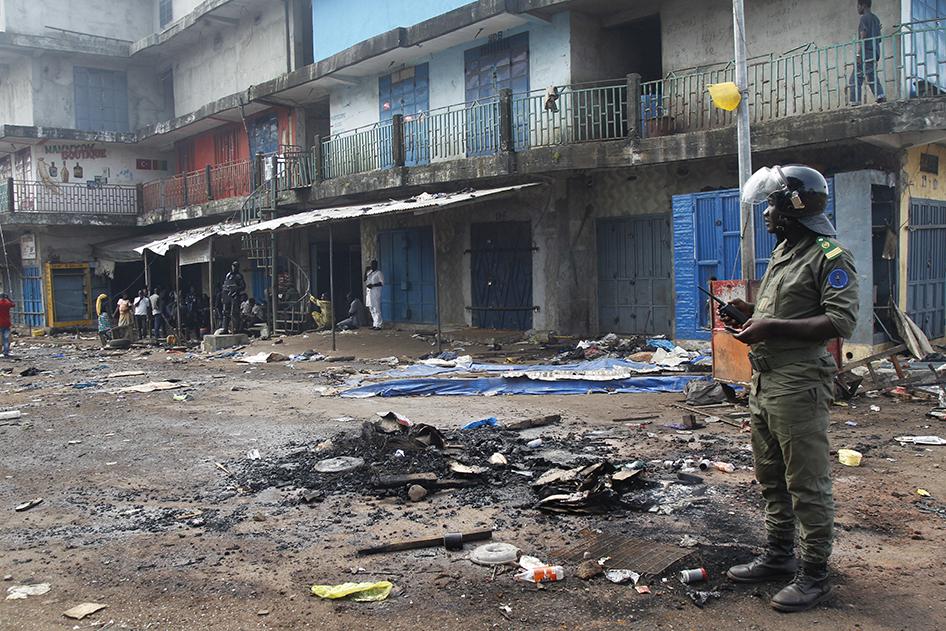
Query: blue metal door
{"x": 634, "y": 280}
{"x": 406, "y": 258}
{"x": 407, "y": 92}
{"x": 33, "y": 313}
{"x": 926, "y": 266}
{"x": 503, "y": 64}
{"x": 501, "y": 269}
{"x": 706, "y": 243}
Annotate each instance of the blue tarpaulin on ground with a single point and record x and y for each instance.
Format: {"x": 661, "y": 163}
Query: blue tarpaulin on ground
{"x": 489, "y": 386}
{"x": 604, "y": 363}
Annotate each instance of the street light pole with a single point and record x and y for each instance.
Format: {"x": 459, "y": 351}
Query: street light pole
{"x": 747, "y": 243}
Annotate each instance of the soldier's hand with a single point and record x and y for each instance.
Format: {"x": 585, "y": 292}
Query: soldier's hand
{"x": 754, "y": 331}
{"x": 742, "y": 305}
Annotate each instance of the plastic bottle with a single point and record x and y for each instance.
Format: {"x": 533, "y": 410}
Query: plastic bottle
{"x": 542, "y": 574}
{"x": 725, "y": 467}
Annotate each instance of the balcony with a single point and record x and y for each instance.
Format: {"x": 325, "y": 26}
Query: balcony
{"x": 29, "y": 196}
{"x": 908, "y": 64}
{"x": 217, "y": 182}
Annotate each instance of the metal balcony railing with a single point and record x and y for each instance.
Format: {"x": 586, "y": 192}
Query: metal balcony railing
{"x": 910, "y": 62}
{"x": 221, "y": 181}
{"x": 25, "y": 196}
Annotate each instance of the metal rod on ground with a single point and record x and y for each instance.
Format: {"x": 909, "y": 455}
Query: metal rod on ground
{"x": 331, "y": 281}
{"x": 743, "y": 139}
{"x": 273, "y": 298}
{"x": 177, "y": 294}
{"x": 210, "y": 282}
{"x": 437, "y": 292}
{"x": 706, "y": 414}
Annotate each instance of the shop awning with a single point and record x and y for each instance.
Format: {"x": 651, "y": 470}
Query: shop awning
{"x": 125, "y": 250}
{"x": 185, "y": 238}
{"x": 417, "y": 205}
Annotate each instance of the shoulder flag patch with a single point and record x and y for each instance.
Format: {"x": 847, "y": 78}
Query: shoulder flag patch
{"x": 829, "y": 248}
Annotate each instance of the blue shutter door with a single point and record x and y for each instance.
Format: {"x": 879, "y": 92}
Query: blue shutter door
{"x": 406, "y": 258}
{"x": 926, "y": 266}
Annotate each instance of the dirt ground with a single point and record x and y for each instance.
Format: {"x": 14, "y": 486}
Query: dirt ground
{"x": 137, "y": 514}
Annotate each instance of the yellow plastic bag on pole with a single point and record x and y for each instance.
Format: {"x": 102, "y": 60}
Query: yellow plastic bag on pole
{"x": 725, "y": 95}
{"x": 359, "y": 592}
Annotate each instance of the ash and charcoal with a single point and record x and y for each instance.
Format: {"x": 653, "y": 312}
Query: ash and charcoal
{"x": 566, "y": 475}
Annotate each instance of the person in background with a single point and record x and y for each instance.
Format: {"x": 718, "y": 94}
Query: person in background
{"x": 104, "y": 322}
{"x": 867, "y": 56}
{"x": 6, "y": 323}
{"x": 374, "y": 281}
{"x": 321, "y": 312}
{"x": 142, "y": 306}
{"x": 353, "y": 321}
{"x": 123, "y": 311}
{"x": 157, "y": 315}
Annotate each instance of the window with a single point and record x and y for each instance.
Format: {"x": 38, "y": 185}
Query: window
{"x": 165, "y": 12}
{"x": 101, "y": 99}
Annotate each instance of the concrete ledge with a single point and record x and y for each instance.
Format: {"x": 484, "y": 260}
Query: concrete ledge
{"x": 213, "y": 343}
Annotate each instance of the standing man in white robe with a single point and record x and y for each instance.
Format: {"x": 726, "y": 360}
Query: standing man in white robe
{"x": 374, "y": 280}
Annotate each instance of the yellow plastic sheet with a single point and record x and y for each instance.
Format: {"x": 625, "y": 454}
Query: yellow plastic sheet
{"x": 359, "y": 592}
{"x": 725, "y": 95}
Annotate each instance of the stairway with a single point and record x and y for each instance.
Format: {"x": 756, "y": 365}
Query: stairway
{"x": 292, "y": 311}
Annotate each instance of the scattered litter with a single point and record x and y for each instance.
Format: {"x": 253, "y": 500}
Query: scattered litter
{"x": 29, "y": 372}
{"x": 253, "y": 454}
{"x": 74, "y": 442}
{"x": 461, "y": 469}
{"x": 359, "y": 592}
{"x": 938, "y": 413}
{"x": 920, "y": 440}
{"x": 622, "y": 576}
{"x": 21, "y": 592}
{"x": 127, "y": 373}
{"x": 688, "y": 541}
{"x": 923, "y": 493}
{"x": 534, "y": 443}
{"x": 538, "y": 421}
{"x": 641, "y": 589}
{"x": 697, "y": 575}
{"x": 486, "y": 422}
{"x": 849, "y": 457}
{"x": 25, "y": 506}
{"x": 875, "y": 408}
{"x": 851, "y": 424}
{"x": 704, "y": 393}
{"x": 262, "y": 358}
{"x": 701, "y": 598}
{"x": 534, "y": 571}
{"x": 153, "y": 386}
{"x": 494, "y": 553}
{"x": 725, "y": 467}
{"x": 341, "y": 464}
{"x": 390, "y": 420}
{"x": 498, "y": 460}
{"x": 81, "y": 611}
{"x": 10, "y": 415}
{"x": 182, "y": 397}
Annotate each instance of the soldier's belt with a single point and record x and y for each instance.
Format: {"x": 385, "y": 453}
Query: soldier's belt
{"x": 772, "y": 361}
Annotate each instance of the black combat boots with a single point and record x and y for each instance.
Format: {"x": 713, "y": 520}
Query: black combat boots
{"x": 809, "y": 588}
{"x": 778, "y": 561}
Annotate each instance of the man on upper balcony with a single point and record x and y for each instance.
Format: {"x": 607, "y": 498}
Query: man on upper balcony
{"x": 867, "y": 56}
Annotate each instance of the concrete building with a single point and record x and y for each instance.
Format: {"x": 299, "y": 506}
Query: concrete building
{"x": 266, "y": 110}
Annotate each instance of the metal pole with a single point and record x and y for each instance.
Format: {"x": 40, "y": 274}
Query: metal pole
{"x": 331, "y": 280}
{"x": 144, "y": 259}
{"x": 743, "y": 139}
{"x": 272, "y": 280}
{"x": 437, "y": 291}
{"x": 177, "y": 294}
{"x": 210, "y": 282}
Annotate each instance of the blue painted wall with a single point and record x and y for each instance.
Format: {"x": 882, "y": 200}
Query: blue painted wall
{"x": 340, "y": 24}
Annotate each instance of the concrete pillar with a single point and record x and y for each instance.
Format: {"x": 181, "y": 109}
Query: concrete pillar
{"x": 398, "y": 150}
{"x": 633, "y": 107}
{"x": 506, "y": 141}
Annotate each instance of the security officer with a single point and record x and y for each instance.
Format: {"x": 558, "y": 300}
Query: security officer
{"x": 807, "y": 296}
{"x": 233, "y": 287}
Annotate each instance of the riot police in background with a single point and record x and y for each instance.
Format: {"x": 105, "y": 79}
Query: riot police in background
{"x": 233, "y": 287}
{"x": 807, "y": 296}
